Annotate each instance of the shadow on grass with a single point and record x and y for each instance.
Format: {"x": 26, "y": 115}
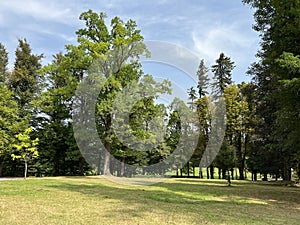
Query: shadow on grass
{"x": 269, "y": 193}
{"x": 184, "y": 192}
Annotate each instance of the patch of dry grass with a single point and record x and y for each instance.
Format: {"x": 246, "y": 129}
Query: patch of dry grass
{"x": 95, "y": 200}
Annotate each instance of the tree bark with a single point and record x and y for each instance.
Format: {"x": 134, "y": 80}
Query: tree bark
{"x": 255, "y": 176}
{"x": 25, "y": 172}
{"x": 1, "y": 167}
{"x": 106, "y": 168}
{"x": 223, "y": 174}
{"x": 240, "y": 156}
{"x": 81, "y": 164}
{"x": 241, "y": 172}
{"x": 212, "y": 172}
{"x": 200, "y": 172}
{"x": 265, "y": 178}
{"x": 123, "y": 167}
{"x": 207, "y": 172}
{"x": 287, "y": 175}
{"x": 99, "y": 165}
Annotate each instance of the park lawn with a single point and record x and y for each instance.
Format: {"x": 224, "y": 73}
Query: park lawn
{"x": 95, "y": 200}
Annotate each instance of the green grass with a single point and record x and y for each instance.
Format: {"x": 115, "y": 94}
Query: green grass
{"x": 95, "y": 200}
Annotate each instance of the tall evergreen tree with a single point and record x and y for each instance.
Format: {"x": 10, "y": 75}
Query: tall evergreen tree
{"x": 203, "y": 80}
{"x": 278, "y": 24}
{"x": 222, "y": 74}
{"x": 59, "y": 154}
{"x": 3, "y": 63}
{"x": 24, "y": 79}
{"x": 192, "y": 96}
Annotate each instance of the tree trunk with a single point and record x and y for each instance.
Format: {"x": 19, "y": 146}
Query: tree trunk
{"x": 123, "y": 167}
{"x": 188, "y": 169}
{"x": 219, "y": 172}
{"x": 241, "y": 172}
{"x": 1, "y": 167}
{"x": 81, "y": 164}
{"x": 265, "y": 178}
{"x": 200, "y": 172}
{"x": 240, "y": 157}
{"x": 106, "y": 168}
{"x": 25, "y": 172}
{"x": 286, "y": 171}
{"x": 212, "y": 172}
{"x": 223, "y": 174}
{"x": 255, "y": 176}
{"x": 244, "y": 156}
{"x": 207, "y": 172}
{"x": 99, "y": 165}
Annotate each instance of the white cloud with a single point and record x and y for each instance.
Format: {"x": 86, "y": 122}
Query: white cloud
{"x": 40, "y": 10}
{"x": 210, "y": 42}
{"x": 201, "y": 26}
{"x": 232, "y": 40}
{"x": 36, "y": 28}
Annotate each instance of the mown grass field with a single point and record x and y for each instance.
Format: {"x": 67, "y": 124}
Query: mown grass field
{"x": 95, "y": 200}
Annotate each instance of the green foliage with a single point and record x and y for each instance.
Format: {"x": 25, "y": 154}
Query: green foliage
{"x": 10, "y": 125}
{"x": 26, "y": 149}
{"x": 262, "y": 133}
{"x": 278, "y": 24}
{"x": 8, "y": 119}
{"x": 3, "y": 63}
{"x": 222, "y": 74}
{"x": 203, "y": 80}
{"x": 24, "y": 79}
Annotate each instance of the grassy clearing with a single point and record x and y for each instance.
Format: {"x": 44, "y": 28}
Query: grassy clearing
{"x": 95, "y": 200}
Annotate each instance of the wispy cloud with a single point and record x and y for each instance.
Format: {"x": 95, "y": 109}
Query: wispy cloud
{"x": 48, "y": 31}
{"x": 204, "y": 27}
{"x": 232, "y": 40}
{"x": 39, "y": 10}
{"x": 221, "y": 38}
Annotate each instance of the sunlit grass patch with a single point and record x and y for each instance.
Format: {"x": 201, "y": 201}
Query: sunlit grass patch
{"x": 96, "y": 200}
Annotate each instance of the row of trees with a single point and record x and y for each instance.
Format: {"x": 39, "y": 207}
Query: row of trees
{"x": 262, "y": 117}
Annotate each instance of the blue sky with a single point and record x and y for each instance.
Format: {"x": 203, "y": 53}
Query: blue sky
{"x": 205, "y": 27}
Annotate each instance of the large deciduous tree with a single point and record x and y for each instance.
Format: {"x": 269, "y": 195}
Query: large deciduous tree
{"x": 112, "y": 50}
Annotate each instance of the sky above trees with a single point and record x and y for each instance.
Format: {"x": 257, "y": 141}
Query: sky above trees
{"x": 204, "y": 27}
